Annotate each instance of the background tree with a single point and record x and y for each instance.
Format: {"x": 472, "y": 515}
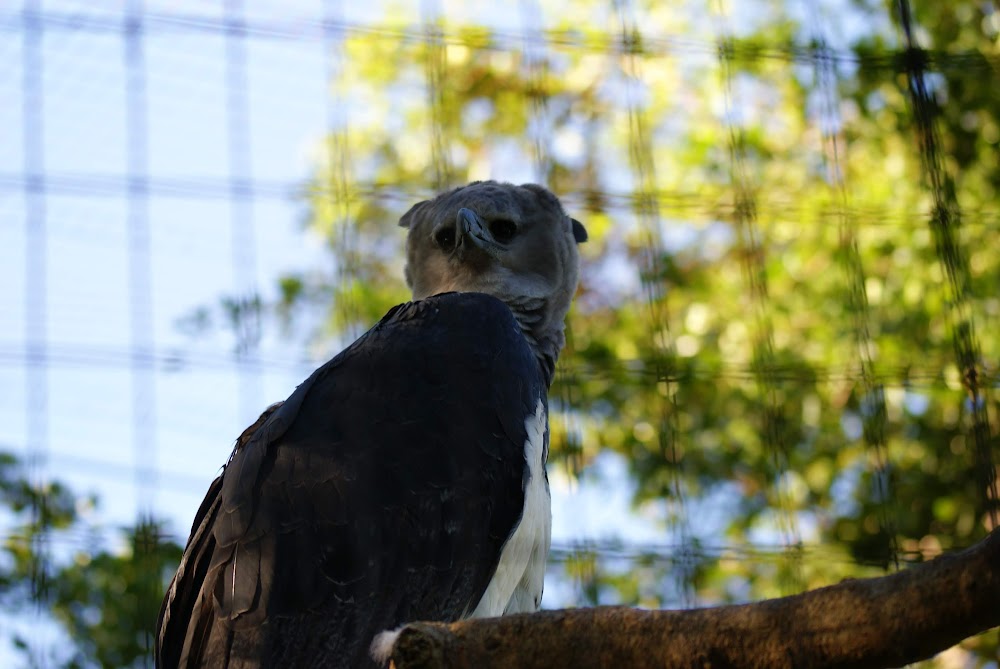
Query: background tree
{"x": 765, "y": 321}
{"x": 105, "y": 598}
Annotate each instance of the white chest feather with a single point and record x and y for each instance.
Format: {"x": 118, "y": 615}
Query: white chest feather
{"x": 516, "y": 586}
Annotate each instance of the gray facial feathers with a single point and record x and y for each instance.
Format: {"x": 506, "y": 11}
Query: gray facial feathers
{"x": 513, "y": 242}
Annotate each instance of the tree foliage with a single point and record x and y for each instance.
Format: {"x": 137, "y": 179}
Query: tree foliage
{"x": 57, "y": 566}
{"x": 768, "y": 319}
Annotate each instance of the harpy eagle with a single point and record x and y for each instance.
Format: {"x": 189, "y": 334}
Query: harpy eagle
{"x": 405, "y": 479}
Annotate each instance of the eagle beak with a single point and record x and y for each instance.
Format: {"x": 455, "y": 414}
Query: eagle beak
{"x": 471, "y": 228}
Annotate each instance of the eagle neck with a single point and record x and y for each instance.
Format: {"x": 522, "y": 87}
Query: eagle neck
{"x": 544, "y": 336}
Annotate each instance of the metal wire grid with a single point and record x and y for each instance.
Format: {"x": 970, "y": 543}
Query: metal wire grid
{"x": 243, "y": 191}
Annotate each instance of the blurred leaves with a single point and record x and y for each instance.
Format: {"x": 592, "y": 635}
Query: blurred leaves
{"x": 108, "y": 601}
{"x": 55, "y": 564}
{"x": 764, "y": 321}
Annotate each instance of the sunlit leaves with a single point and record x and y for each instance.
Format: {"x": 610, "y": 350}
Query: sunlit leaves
{"x": 764, "y": 322}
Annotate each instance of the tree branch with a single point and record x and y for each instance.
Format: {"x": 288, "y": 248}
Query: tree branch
{"x": 858, "y": 623}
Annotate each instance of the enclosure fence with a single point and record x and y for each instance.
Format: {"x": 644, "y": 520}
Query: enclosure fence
{"x": 140, "y": 168}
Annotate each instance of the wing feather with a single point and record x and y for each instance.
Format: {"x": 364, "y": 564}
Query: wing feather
{"x": 380, "y": 492}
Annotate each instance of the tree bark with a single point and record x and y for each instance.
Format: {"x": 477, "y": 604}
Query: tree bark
{"x": 858, "y": 623}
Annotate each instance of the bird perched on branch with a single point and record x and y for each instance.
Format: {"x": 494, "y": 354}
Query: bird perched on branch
{"x": 405, "y": 479}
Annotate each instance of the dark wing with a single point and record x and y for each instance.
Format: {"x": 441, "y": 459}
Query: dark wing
{"x": 380, "y": 492}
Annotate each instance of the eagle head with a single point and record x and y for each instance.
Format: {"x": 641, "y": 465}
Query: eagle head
{"x": 513, "y": 242}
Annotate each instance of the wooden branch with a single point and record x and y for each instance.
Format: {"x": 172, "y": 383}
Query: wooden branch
{"x": 858, "y": 623}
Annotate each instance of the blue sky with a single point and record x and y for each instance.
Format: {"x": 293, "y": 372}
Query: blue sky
{"x": 191, "y": 257}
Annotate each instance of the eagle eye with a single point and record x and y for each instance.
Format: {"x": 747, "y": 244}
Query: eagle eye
{"x": 503, "y": 230}
{"x": 445, "y": 238}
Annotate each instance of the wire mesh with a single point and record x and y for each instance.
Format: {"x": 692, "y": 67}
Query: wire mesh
{"x": 158, "y": 305}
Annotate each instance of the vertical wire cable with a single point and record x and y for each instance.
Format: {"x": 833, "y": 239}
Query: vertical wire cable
{"x": 338, "y": 188}
{"x": 536, "y": 64}
{"x": 540, "y": 128}
{"x": 435, "y": 68}
{"x": 140, "y": 275}
{"x": 764, "y": 359}
{"x": 36, "y": 304}
{"x": 647, "y": 210}
{"x": 141, "y": 309}
{"x": 246, "y": 310}
{"x": 945, "y": 221}
{"x": 874, "y": 414}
